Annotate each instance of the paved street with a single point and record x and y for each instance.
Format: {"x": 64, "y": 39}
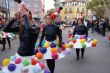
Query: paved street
{"x": 97, "y": 60}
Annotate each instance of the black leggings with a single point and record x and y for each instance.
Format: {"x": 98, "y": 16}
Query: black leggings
{"x": 78, "y": 51}
{"x": 4, "y": 42}
{"x": 51, "y": 64}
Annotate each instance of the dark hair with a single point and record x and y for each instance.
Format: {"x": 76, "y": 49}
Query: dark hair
{"x": 82, "y": 20}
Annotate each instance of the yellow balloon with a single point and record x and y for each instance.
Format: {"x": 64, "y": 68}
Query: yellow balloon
{"x": 67, "y": 46}
{"x": 47, "y": 44}
{"x": 95, "y": 41}
{"x": 6, "y": 62}
{"x": 82, "y": 40}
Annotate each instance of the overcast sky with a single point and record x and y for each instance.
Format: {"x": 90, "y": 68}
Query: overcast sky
{"x": 49, "y": 4}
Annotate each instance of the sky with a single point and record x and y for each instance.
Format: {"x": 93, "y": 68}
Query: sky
{"x": 49, "y": 4}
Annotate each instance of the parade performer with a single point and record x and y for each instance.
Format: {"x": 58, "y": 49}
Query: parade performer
{"x": 50, "y": 48}
{"x": 5, "y": 36}
{"x": 24, "y": 61}
{"x": 81, "y": 39}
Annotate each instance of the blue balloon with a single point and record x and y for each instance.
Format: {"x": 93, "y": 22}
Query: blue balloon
{"x": 43, "y": 50}
{"x": 36, "y": 69}
{"x": 11, "y": 67}
{"x": 91, "y": 37}
{"x": 76, "y": 37}
{"x": 52, "y": 45}
{"x": 37, "y": 45}
{"x": 43, "y": 42}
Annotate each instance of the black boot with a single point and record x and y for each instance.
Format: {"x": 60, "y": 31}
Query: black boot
{"x": 82, "y": 52}
{"x": 77, "y": 53}
{"x": 9, "y": 43}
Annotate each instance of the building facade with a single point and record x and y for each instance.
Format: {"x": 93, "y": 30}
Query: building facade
{"x": 33, "y": 5}
{"x": 4, "y": 11}
{"x": 73, "y": 9}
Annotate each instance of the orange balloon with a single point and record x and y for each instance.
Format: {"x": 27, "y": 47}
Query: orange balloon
{"x": 93, "y": 44}
{"x": 54, "y": 50}
{"x": 39, "y": 55}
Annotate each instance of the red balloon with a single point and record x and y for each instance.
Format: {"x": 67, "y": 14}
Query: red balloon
{"x": 53, "y": 16}
{"x": 63, "y": 47}
{"x": 18, "y": 61}
{"x": 58, "y": 11}
{"x": 54, "y": 55}
{"x": 33, "y": 61}
{"x": 74, "y": 40}
{"x": 93, "y": 44}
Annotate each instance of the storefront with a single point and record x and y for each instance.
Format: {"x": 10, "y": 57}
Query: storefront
{"x": 4, "y": 11}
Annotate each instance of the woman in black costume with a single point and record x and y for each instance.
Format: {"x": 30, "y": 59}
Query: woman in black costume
{"x": 50, "y": 33}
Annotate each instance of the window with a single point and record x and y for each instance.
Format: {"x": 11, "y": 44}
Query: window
{"x": 70, "y": 10}
{"x": 65, "y": 10}
{"x": 77, "y": 10}
{"x": 83, "y": 10}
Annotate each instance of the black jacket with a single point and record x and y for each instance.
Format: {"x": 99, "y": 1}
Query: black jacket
{"x": 28, "y": 36}
{"x": 80, "y": 30}
{"x": 50, "y": 32}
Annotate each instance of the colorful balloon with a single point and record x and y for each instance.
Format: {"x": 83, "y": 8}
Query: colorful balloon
{"x": 26, "y": 62}
{"x": 11, "y": 67}
{"x": 74, "y": 41}
{"x": 95, "y": 41}
{"x": 6, "y": 62}
{"x": 54, "y": 55}
{"x": 13, "y": 58}
{"x": 81, "y": 37}
{"x": 33, "y": 61}
{"x": 37, "y": 45}
{"x": 52, "y": 45}
{"x": 71, "y": 45}
{"x": 59, "y": 11}
{"x": 43, "y": 42}
{"x": 54, "y": 50}
{"x": 67, "y": 46}
{"x": 47, "y": 44}
{"x": 84, "y": 45}
{"x": 42, "y": 65}
{"x": 57, "y": 42}
{"x": 39, "y": 55}
{"x": 63, "y": 47}
{"x": 82, "y": 41}
{"x": 36, "y": 69}
{"x": 53, "y": 16}
{"x": 76, "y": 37}
{"x": 71, "y": 39}
{"x": 93, "y": 44}
{"x": 43, "y": 50}
{"x": 18, "y": 61}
